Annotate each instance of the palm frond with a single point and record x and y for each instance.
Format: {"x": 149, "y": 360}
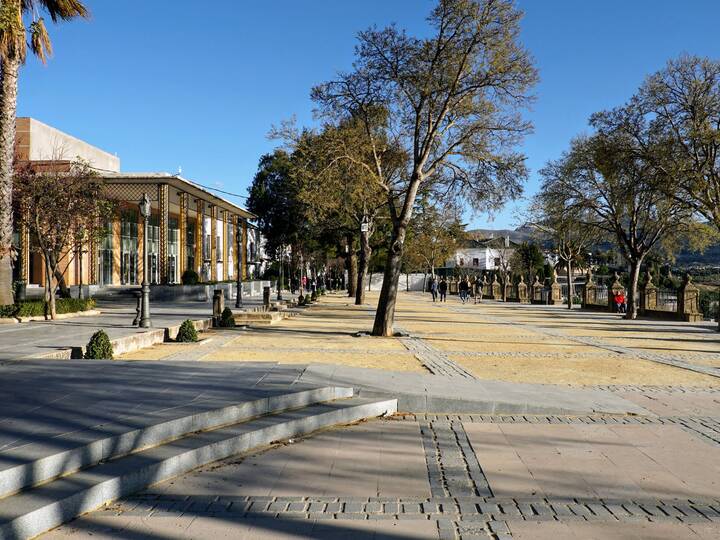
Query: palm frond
{"x": 40, "y": 40}
{"x": 57, "y": 9}
{"x": 12, "y": 30}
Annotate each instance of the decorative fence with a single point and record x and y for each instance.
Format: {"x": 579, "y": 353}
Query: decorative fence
{"x": 665, "y": 299}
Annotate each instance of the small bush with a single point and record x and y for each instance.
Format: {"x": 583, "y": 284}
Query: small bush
{"x": 99, "y": 347}
{"x": 301, "y": 300}
{"x": 313, "y": 297}
{"x": 187, "y": 332}
{"x": 227, "y": 319}
{"x": 8, "y": 311}
{"x": 190, "y": 277}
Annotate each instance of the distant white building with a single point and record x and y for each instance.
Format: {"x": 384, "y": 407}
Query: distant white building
{"x": 483, "y": 254}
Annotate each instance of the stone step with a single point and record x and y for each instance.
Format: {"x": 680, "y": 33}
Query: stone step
{"x": 44, "y": 507}
{"x": 35, "y": 463}
{"x": 258, "y": 317}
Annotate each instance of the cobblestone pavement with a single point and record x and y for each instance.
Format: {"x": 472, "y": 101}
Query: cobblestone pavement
{"x": 471, "y": 491}
{"x": 435, "y": 361}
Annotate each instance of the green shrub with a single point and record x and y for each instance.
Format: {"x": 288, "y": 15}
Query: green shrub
{"x": 313, "y": 296}
{"x": 99, "y": 347}
{"x": 227, "y": 319}
{"x": 36, "y": 308}
{"x": 187, "y": 332}
{"x": 190, "y": 277}
{"x": 8, "y": 311}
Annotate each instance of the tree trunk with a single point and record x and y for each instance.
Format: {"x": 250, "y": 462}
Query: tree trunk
{"x": 570, "y": 284}
{"x": 385, "y": 313}
{"x": 8, "y": 109}
{"x": 633, "y": 290}
{"x": 364, "y": 264}
{"x": 81, "y": 294}
{"x": 351, "y": 265}
{"x": 50, "y": 309}
{"x": 59, "y": 277}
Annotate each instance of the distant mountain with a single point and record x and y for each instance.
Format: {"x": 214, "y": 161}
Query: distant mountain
{"x": 519, "y": 235}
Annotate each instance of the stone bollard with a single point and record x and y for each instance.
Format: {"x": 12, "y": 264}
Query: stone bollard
{"x": 589, "y": 295}
{"x": 648, "y": 295}
{"x": 485, "y": 288}
{"x": 218, "y": 305}
{"x": 689, "y": 301}
{"x": 555, "y": 290}
{"x": 537, "y": 289}
{"x": 496, "y": 291}
{"x": 266, "y": 298}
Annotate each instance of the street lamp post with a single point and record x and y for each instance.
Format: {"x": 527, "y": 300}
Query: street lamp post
{"x": 239, "y": 257}
{"x": 282, "y": 277}
{"x": 145, "y": 287}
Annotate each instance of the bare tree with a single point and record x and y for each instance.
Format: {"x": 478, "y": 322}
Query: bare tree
{"x": 61, "y": 207}
{"x": 452, "y": 102}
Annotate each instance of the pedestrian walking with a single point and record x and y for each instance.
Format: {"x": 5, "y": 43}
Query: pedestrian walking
{"x": 442, "y": 289}
{"x": 433, "y": 289}
{"x": 463, "y": 289}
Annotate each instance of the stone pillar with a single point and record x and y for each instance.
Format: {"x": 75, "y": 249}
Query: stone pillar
{"x": 689, "y": 301}
{"x": 508, "y": 287}
{"x": 163, "y": 216}
{"x": 648, "y": 295}
{"x": 556, "y": 290}
{"x": 522, "y": 291}
{"x": 496, "y": 291}
{"x": 589, "y": 291}
{"x": 213, "y": 242}
{"x": 485, "y": 288}
{"x": 615, "y": 288}
{"x": 537, "y": 289}
{"x": 226, "y": 244}
{"x": 199, "y": 236}
{"x": 182, "y": 223}
{"x": 218, "y": 305}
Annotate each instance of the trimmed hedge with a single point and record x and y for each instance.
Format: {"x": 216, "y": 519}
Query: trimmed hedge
{"x": 99, "y": 347}
{"x": 36, "y": 308}
{"x": 227, "y": 319}
{"x": 190, "y": 277}
{"x": 187, "y": 332}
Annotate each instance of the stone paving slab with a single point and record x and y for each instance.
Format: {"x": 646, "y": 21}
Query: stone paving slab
{"x": 430, "y": 393}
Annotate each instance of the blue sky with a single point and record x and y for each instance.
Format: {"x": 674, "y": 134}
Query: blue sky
{"x": 169, "y": 83}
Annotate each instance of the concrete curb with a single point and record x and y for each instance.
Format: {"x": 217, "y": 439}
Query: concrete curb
{"x": 17, "y": 477}
{"x": 60, "y": 316}
{"x": 52, "y": 504}
{"x": 129, "y": 343}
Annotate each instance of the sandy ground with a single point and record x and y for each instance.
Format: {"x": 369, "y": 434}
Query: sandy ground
{"x": 327, "y": 333}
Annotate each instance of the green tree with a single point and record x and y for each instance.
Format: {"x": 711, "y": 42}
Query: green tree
{"x": 13, "y": 51}
{"x": 527, "y": 260}
{"x": 433, "y": 237}
{"x": 453, "y": 104}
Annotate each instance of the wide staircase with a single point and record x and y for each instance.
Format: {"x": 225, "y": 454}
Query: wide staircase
{"x": 44, "y": 485}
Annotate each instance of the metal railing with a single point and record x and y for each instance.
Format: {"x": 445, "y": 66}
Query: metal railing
{"x": 666, "y": 300}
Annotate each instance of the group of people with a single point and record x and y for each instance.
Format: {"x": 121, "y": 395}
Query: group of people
{"x": 440, "y": 289}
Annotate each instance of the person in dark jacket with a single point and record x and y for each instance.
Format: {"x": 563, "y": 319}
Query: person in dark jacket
{"x": 442, "y": 289}
{"x": 463, "y": 289}
{"x": 433, "y": 288}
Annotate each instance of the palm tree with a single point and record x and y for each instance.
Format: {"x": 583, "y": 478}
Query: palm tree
{"x": 13, "y": 49}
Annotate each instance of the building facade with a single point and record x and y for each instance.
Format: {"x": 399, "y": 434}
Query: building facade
{"x": 483, "y": 254}
{"x": 190, "y": 228}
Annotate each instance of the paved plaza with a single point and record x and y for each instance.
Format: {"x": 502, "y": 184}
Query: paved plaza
{"x": 522, "y": 422}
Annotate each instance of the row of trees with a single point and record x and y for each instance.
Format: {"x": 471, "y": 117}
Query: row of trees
{"x": 648, "y": 176}
{"x": 432, "y": 119}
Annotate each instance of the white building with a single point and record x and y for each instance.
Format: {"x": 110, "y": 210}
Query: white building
{"x": 483, "y": 254}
